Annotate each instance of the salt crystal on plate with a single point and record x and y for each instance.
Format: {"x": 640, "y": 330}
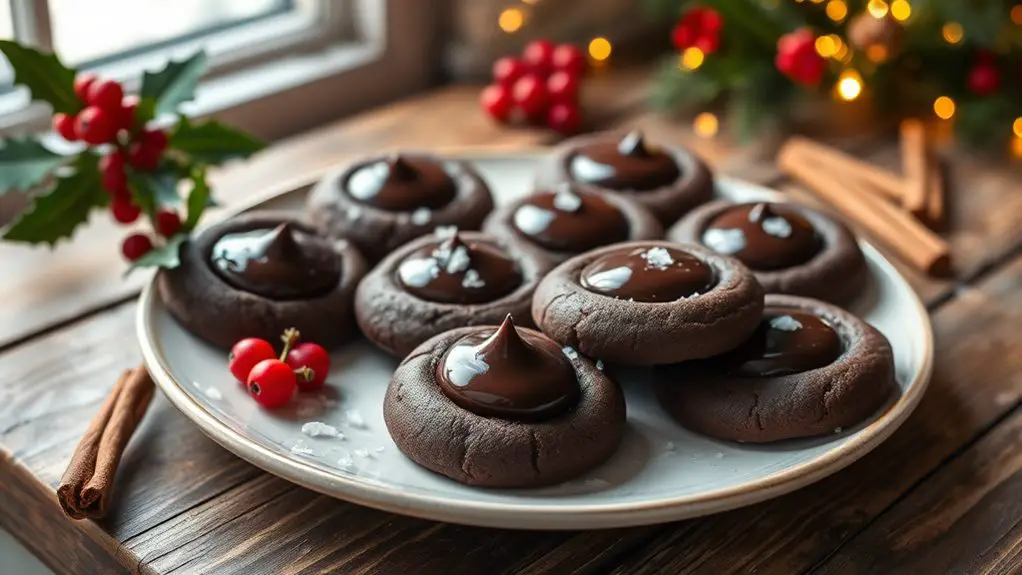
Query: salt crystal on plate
{"x": 302, "y": 450}
{"x": 363, "y": 453}
{"x": 346, "y": 463}
{"x": 213, "y": 393}
{"x": 320, "y": 429}
{"x": 422, "y": 216}
{"x": 354, "y": 419}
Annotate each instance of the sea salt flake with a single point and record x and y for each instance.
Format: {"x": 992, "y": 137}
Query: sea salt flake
{"x": 658, "y": 257}
{"x": 320, "y": 429}
{"x": 729, "y": 241}
{"x": 472, "y": 280}
{"x": 777, "y": 227}
{"x": 599, "y": 364}
{"x": 213, "y": 393}
{"x": 458, "y": 260}
{"x": 363, "y": 454}
{"x": 422, "y": 216}
{"x": 785, "y": 323}
{"x": 445, "y": 232}
{"x": 567, "y": 201}
{"x": 302, "y": 450}
{"x": 346, "y": 463}
{"x": 570, "y": 352}
{"x": 354, "y": 419}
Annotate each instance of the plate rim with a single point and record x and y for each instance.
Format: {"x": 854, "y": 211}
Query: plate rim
{"x": 518, "y": 515}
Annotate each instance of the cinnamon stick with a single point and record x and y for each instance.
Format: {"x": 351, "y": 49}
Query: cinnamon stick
{"x": 935, "y": 193}
{"x": 884, "y": 182}
{"x": 912, "y": 241}
{"x": 913, "y": 165}
{"x": 85, "y": 488}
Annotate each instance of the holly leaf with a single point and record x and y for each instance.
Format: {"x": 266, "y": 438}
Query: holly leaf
{"x": 25, "y": 163}
{"x": 211, "y": 142}
{"x": 175, "y": 84}
{"x": 152, "y": 190}
{"x": 44, "y": 75}
{"x": 167, "y": 256}
{"x": 198, "y": 199}
{"x": 55, "y": 215}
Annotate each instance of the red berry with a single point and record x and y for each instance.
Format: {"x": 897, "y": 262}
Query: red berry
{"x": 168, "y": 223}
{"x": 106, "y": 94}
{"x": 984, "y": 79}
{"x": 271, "y": 383}
{"x": 65, "y": 126}
{"x": 82, "y": 84}
{"x": 144, "y": 153}
{"x": 246, "y": 354}
{"x": 569, "y": 58}
{"x": 126, "y": 117}
{"x": 496, "y": 101}
{"x": 507, "y": 69}
{"x": 538, "y": 56}
{"x": 136, "y": 246}
{"x": 529, "y": 94}
{"x": 564, "y": 118}
{"x": 111, "y": 167}
{"x": 124, "y": 211}
{"x": 562, "y": 86}
{"x": 314, "y": 357}
{"x": 95, "y": 125}
{"x": 797, "y": 57}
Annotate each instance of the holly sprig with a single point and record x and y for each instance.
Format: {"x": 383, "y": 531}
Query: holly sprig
{"x": 138, "y": 156}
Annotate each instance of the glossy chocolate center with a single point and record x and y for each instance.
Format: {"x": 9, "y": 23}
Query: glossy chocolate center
{"x": 509, "y": 374}
{"x": 763, "y": 236}
{"x": 628, "y": 164}
{"x": 402, "y": 184}
{"x": 453, "y": 271}
{"x": 649, "y": 274}
{"x": 282, "y": 263}
{"x": 787, "y": 341}
{"x": 570, "y": 221}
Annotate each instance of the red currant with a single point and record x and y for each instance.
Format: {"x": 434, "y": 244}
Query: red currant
{"x": 126, "y": 117}
{"x": 496, "y": 101}
{"x": 81, "y": 86}
{"x": 314, "y": 357}
{"x": 271, "y": 383}
{"x": 125, "y": 211}
{"x": 95, "y": 125}
{"x": 246, "y": 354}
{"x": 136, "y": 246}
{"x": 529, "y": 94}
{"x": 106, "y": 94}
{"x": 570, "y": 59}
{"x": 562, "y": 87}
{"x": 144, "y": 154}
{"x": 564, "y": 118}
{"x": 64, "y": 125}
{"x": 168, "y": 223}
{"x": 538, "y": 56}
{"x": 507, "y": 69}
{"x": 111, "y": 167}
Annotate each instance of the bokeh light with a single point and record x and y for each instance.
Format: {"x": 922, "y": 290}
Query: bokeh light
{"x": 600, "y": 49}
{"x": 706, "y": 125}
{"x": 876, "y": 53}
{"x": 901, "y": 10}
{"x": 849, "y": 85}
{"x": 944, "y": 107}
{"x": 877, "y": 8}
{"x": 692, "y": 58}
{"x": 953, "y": 32}
{"x": 1017, "y": 127}
{"x": 511, "y": 20}
{"x": 1016, "y": 14}
{"x": 837, "y": 10}
{"x": 825, "y": 46}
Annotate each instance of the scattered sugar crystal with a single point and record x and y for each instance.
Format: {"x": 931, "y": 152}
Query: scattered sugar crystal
{"x": 719, "y": 455}
{"x": 570, "y": 352}
{"x": 785, "y": 323}
{"x": 346, "y": 464}
{"x": 213, "y": 393}
{"x": 599, "y": 364}
{"x": 725, "y": 241}
{"x": 421, "y": 216}
{"x": 458, "y": 260}
{"x": 445, "y": 232}
{"x": 567, "y": 201}
{"x": 354, "y": 419}
{"x": 320, "y": 429}
{"x": 472, "y": 280}
{"x": 777, "y": 227}
{"x": 669, "y": 446}
{"x": 302, "y": 450}
{"x": 596, "y": 482}
{"x": 658, "y": 257}
{"x": 837, "y": 430}
{"x": 362, "y": 453}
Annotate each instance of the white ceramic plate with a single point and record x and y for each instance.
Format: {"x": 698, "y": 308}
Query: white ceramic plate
{"x": 661, "y": 472}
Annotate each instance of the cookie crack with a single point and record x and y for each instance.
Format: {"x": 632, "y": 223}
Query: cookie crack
{"x": 754, "y": 412}
{"x": 546, "y": 308}
{"x": 464, "y": 456}
{"x": 824, "y": 399}
{"x": 534, "y": 451}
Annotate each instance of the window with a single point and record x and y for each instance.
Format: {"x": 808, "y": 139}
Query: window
{"x": 262, "y": 52}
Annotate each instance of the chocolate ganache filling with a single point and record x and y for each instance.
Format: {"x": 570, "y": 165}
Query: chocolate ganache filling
{"x": 654, "y": 274}
{"x": 453, "y": 271}
{"x": 629, "y": 164}
{"x": 570, "y": 221}
{"x": 401, "y": 184}
{"x": 787, "y": 341}
{"x": 763, "y": 236}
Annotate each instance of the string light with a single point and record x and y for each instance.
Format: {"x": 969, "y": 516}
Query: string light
{"x": 600, "y": 49}
{"x": 944, "y": 107}
{"x": 706, "y": 125}
{"x": 876, "y": 53}
{"x": 953, "y": 32}
{"x": 901, "y": 10}
{"x": 692, "y": 58}
{"x": 843, "y": 54}
{"x": 511, "y": 20}
{"x": 877, "y": 8}
{"x": 1016, "y": 14}
{"x": 837, "y": 10}
{"x": 849, "y": 85}
{"x": 1017, "y": 127}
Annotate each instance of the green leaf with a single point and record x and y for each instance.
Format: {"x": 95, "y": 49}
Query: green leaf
{"x": 25, "y": 163}
{"x": 198, "y": 199}
{"x": 145, "y": 111}
{"x": 58, "y": 213}
{"x": 175, "y": 84}
{"x": 211, "y": 142}
{"x": 153, "y": 190}
{"x": 167, "y": 256}
{"x": 44, "y": 75}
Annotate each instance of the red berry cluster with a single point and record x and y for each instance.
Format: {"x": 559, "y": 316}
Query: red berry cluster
{"x": 108, "y": 117}
{"x": 541, "y": 87}
{"x": 797, "y": 57}
{"x": 699, "y": 28}
{"x": 272, "y": 380}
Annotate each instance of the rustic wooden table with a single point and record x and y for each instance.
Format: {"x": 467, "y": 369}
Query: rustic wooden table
{"x": 943, "y": 495}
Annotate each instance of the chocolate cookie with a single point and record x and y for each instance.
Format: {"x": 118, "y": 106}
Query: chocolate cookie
{"x": 792, "y": 249}
{"x": 567, "y": 221}
{"x": 443, "y": 281}
{"x": 503, "y": 407}
{"x": 669, "y": 181}
{"x": 384, "y": 202}
{"x": 260, "y": 273}
{"x": 647, "y": 303}
{"x": 810, "y": 368}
